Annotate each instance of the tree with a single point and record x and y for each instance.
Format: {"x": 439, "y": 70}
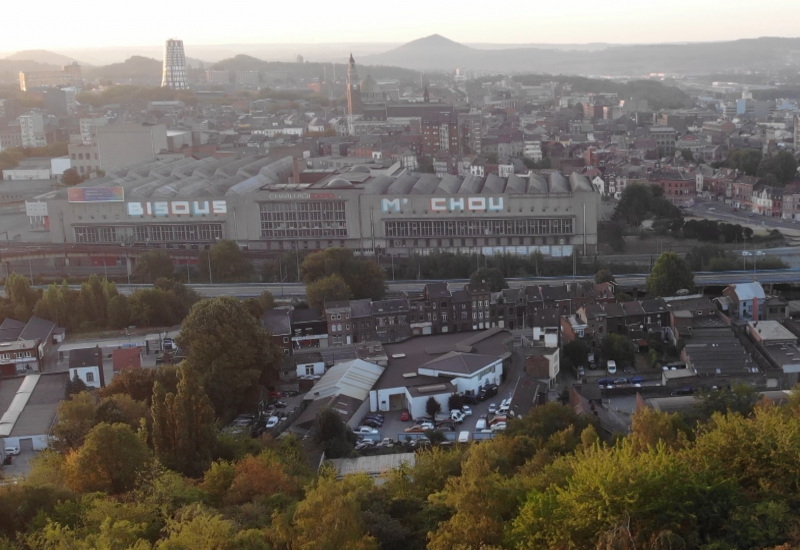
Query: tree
{"x": 783, "y": 165}
{"x": 669, "y": 275}
{"x": 490, "y": 275}
{"x": 364, "y": 278}
{"x": 183, "y": 425}
{"x": 604, "y": 276}
{"x": 619, "y": 348}
{"x": 23, "y": 298}
{"x": 327, "y": 289}
{"x": 229, "y": 351}
{"x": 75, "y": 386}
{"x": 119, "y": 314}
{"x": 330, "y": 517}
{"x": 576, "y": 352}
{"x": 153, "y": 265}
{"x": 110, "y": 460}
{"x": 228, "y": 263}
{"x": 76, "y": 416}
{"x": 745, "y": 160}
{"x": 432, "y": 407}
{"x": 70, "y": 177}
{"x": 332, "y": 434}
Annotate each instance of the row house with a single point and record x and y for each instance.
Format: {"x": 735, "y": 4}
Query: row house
{"x": 790, "y": 205}
{"x": 635, "y": 318}
{"x": 767, "y": 201}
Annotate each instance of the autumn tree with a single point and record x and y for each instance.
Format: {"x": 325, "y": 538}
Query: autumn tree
{"x": 331, "y": 288}
{"x": 670, "y": 274}
{"x": 604, "y": 276}
{"x": 76, "y": 417}
{"x": 229, "y": 351}
{"x": 23, "y": 298}
{"x": 332, "y": 434}
{"x": 110, "y": 460}
{"x": 183, "y": 425}
{"x": 153, "y": 265}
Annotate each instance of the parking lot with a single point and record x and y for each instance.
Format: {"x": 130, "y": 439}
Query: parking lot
{"x": 394, "y": 428}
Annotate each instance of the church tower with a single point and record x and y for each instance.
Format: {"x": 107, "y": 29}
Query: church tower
{"x": 353, "y": 89}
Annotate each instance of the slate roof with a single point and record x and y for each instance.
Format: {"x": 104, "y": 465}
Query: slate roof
{"x": 460, "y": 363}
{"x": 277, "y": 322}
{"x": 38, "y": 329}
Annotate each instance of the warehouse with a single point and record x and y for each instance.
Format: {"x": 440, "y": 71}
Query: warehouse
{"x": 372, "y": 208}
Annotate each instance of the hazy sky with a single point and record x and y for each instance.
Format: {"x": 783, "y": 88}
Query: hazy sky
{"x": 56, "y": 24}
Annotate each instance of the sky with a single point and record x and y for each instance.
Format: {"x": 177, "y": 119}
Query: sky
{"x": 57, "y": 25}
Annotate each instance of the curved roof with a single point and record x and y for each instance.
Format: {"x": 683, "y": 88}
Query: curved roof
{"x": 516, "y": 184}
{"x": 471, "y": 185}
{"x": 379, "y": 185}
{"x": 494, "y": 184}
{"x": 538, "y": 184}
{"x": 449, "y": 184}
{"x": 558, "y": 183}
{"x": 426, "y": 184}
{"x": 579, "y": 182}
{"x": 339, "y": 183}
{"x": 402, "y": 185}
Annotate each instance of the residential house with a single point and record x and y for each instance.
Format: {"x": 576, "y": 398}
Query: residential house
{"x": 279, "y": 325}
{"x": 543, "y": 363}
{"x": 87, "y": 365}
{"x": 126, "y": 358}
{"x": 747, "y": 298}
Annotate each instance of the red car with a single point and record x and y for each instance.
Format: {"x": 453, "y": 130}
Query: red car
{"x": 404, "y": 416}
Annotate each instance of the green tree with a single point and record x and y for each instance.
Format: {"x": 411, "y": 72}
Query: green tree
{"x": 633, "y": 205}
{"x": 669, "y": 275}
{"x": 745, "y": 160}
{"x": 333, "y": 434}
{"x": 23, "y": 298}
{"x": 604, "y": 276}
{"x": 119, "y": 314}
{"x": 183, "y": 431}
{"x": 110, "y": 460}
{"x": 364, "y": 278}
{"x": 75, "y": 386}
{"x": 59, "y": 304}
{"x": 576, "y": 353}
{"x": 619, "y": 348}
{"x": 432, "y": 407}
{"x": 70, "y": 177}
{"x": 783, "y": 165}
{"x": 228, "y": 263}
{"x": 152, "y": 265}
{"x": 490, "y": 275}
{"x": 229, "y": 351}
{"x": 327, "y": 289}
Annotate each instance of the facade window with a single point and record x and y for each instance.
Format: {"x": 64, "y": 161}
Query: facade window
{"x": 309, "y": 370}
{"x": 285, "y": 339}
{"x": 90, "y": 377}
{"x": 303, "y": 219}
{"x": 151, "y": 233}
{"x": 479, "y": 227}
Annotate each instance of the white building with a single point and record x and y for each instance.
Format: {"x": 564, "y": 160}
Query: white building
{"x": 31, "y": 126}
{"x": 174, "y": 72}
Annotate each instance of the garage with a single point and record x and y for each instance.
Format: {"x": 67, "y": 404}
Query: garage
{"x": 397, "y": 402}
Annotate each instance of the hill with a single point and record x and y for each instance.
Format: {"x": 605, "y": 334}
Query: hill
{"x": 438, "y": 53}
{"x": 136, "y": 68}
{"x": 45, "y": 57}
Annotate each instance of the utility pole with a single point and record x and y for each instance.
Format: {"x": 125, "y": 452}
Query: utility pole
{"x": 210, "y": 278}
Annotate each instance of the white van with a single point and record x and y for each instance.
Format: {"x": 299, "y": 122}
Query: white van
{"x": 463, "y": 437}
{"x": 504, "y": 407}
{"x": 611, "y": 368}
{"x": 480, "y": 425}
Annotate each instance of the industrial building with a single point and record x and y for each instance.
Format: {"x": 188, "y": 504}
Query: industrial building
{"x": 370, "y": 207}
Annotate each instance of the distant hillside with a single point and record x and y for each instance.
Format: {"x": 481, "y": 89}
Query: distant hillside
{"x": 136, "y": 68}
{"x": 312, "y": 70}
{"x": 42, "y": 56}
{"x": 10, "y": 68}
{"x": 438, "y": 53}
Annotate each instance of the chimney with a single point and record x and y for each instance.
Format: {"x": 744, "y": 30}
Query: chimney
{"x": 755, "y": 308}
{"x": 296, "y": 170}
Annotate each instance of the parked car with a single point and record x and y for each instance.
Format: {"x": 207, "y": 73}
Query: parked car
{"x": 272, "y": 422}
{"x": 405, "y": 416}
{"x": 365, "y": 430}
{"x": 12, "y": 449}
{"x": 386, "y": 442}
{"x": 492, "y": 408}
{"x": 279, "y": 405}
{"x": 457, "y": 416}
{"x": 471, "y": 399}
{"x": 365, "y": 444}
{"x": 499, "y": 427}
{"x": 427, "y": 426}
{"x": 480, "y": 424}
{"x": 637, "y": 379}
{"x": 581, "y": 371}
{"x": 414, "y": 428}
{"x": 620, "y": 380}
{"x": 466, "y": 410}
{"x": 611, "y": 367}
{"x": 605, "y": 382}
{"x": 371, "y": 423}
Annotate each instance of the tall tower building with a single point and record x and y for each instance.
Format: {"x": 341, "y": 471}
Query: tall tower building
{"x": 174, "y": 75}
{"x": 353, "y": 89}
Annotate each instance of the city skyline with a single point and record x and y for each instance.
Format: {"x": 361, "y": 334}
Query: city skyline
{"x": 509, "y": 22}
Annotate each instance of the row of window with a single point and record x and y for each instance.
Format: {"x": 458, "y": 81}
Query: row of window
{"x": 80, "y": 156}
{"x": 149, "y": 233}
{"x": 19, "y": 354}
{"x": 303, "y": 219}
{"x": 472, "y": 227}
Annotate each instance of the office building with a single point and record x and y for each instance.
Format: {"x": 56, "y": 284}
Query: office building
{"x": 174, "y": 74}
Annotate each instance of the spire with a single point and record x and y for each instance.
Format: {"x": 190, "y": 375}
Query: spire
{"x": 352, "y": 61}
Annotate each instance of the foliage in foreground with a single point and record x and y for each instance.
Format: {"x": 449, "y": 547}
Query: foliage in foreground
{"x": 549, "y": 482}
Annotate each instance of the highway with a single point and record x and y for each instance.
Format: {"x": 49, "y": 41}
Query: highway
{"x": 722, "y": 278}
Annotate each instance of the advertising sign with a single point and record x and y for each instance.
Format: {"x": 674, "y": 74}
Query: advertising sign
{"x": 178, "y": 208}
{"x": 96, "y": 194}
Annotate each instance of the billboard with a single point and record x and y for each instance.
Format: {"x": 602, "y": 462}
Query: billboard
{"x": 177, "y": 208}
{"x": 96, "y": 194}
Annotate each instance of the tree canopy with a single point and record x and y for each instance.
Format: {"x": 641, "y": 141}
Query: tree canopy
{"x": 229, "y": 350}
{"x": 670, "y": 274}
{"x": 364, "y": 277}
{"x": 490, "y": 275}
